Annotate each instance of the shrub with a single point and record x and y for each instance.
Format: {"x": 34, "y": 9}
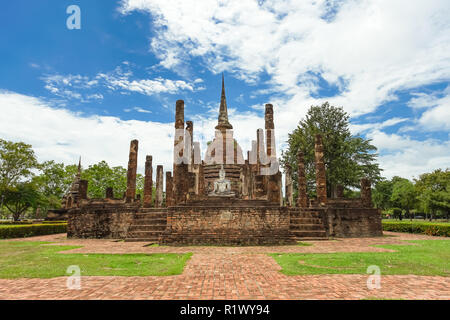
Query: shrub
{"x": 53, "y": 222}
{"x": 14, "y": 222}
{"x": 428, "y": 228}
{"x": 30, "y": 230}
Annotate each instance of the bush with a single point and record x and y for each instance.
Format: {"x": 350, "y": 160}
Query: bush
{"x": 30, "y": 230}
{"x": 53, "y": 222}
{"x": 428, "y": 228}
{"x": 22, "y": 222}
{"x": 14, "y": 222}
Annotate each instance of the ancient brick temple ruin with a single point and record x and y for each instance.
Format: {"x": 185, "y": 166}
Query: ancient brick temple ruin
{"x": 221, "y": 198}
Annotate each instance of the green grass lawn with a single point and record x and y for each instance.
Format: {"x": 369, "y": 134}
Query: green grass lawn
{"x": 304, "y": 244}
{"x": 426, "y": 257}
{"x": 37, "y": 260}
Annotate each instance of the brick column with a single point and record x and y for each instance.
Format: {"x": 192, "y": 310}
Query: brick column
{"x": 109, "y": 193}
{"x": 180, "y": 183}
{"x": 321, "y": 180}
{"x": 270, "y": 131}
{"x": 288, "y": 186}
{"x": 188, "y": 142}
{"x": 273, "y": 187}
{"x": 366, "y": 193}
{"x": 259, "y": 145}
{"x": 201, "y": 180}
{"x": 83, "y": 188}
{"x": 159, "y": 186}
{"x": 148, "y": 182}
{"x": 169, "y": 189}
{"x": 302, "y": 200}
{"x": 178, "y": 169}
{"x": 132, "y": 169}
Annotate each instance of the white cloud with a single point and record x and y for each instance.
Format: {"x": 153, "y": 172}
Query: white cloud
{"x": 61, "y": 135}
{"x": 437, "y": 118}
{"x": 437, "y": 115}
{"x": 70, "y": 86}
{"x": 362, "y": 128}
{"x": 97, "y": 96}
{"x": 149, "y": 87}
{"x": 406, "y": 157}
{"x": 141, "y": 110}
{"x": 368, "y": 49}
{"x": 374, "y": 47}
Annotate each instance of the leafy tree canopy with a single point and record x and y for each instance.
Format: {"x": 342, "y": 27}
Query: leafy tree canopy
{"x": 19, "y": 198}
{"x": 434, "y": 191}
{"x": 101, "y": 176}
{"x": 347, "y": 158}
{"x": 17, "y": 162}
{"x": 403, "y": 194}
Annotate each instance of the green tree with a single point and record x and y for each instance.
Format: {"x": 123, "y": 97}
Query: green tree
{"x": 53, "y": 180}
{"x": 347, "y": 158}
{"x": 101, "y": 176}
{"x": 434, "y": 192}
{"x": 382, "y": 193}
{"x": 20, "y": 198}
{"x": 17, "y": 162}
{"x": 404, "y": 195}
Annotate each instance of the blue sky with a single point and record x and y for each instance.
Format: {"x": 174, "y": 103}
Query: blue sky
{"x": 89, "y": 92}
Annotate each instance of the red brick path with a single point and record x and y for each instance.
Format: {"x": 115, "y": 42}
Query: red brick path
{"x": 230, "y": 273}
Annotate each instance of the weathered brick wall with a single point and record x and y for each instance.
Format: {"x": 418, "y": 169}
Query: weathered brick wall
{"x": 227, "y": 226}
{"x": 100, "y": 221}
{"x": 352, "y": 222}
{"x": 57, "y": 215}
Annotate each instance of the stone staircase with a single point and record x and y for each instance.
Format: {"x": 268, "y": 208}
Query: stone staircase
{"x": 148, "y": 226}
{"x": 225, "y": 202}
{"x": 306, "y": 224}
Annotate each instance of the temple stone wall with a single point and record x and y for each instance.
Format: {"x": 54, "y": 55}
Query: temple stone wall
{"x": 101, "y": 220}
{"x": 352, "y": 222}
{"x": 227, "y": 226}
{"x": 57, "y": 215}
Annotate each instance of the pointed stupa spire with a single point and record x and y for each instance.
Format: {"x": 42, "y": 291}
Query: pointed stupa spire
{"x": 79, "y": 166}
{"x": 223, "y": 111}
{"x": 76, "y": 180}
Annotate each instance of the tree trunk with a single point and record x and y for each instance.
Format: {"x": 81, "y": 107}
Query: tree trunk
{"x": 16, "y": 216}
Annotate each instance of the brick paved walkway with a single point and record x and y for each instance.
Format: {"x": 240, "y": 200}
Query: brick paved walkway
{"x": 231, "y": 273}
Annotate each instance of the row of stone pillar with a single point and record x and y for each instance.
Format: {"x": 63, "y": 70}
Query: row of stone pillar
{"x": 130, "y": 195}
{"x": 321, "y": 181}
{"x": 180, "y": 183}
